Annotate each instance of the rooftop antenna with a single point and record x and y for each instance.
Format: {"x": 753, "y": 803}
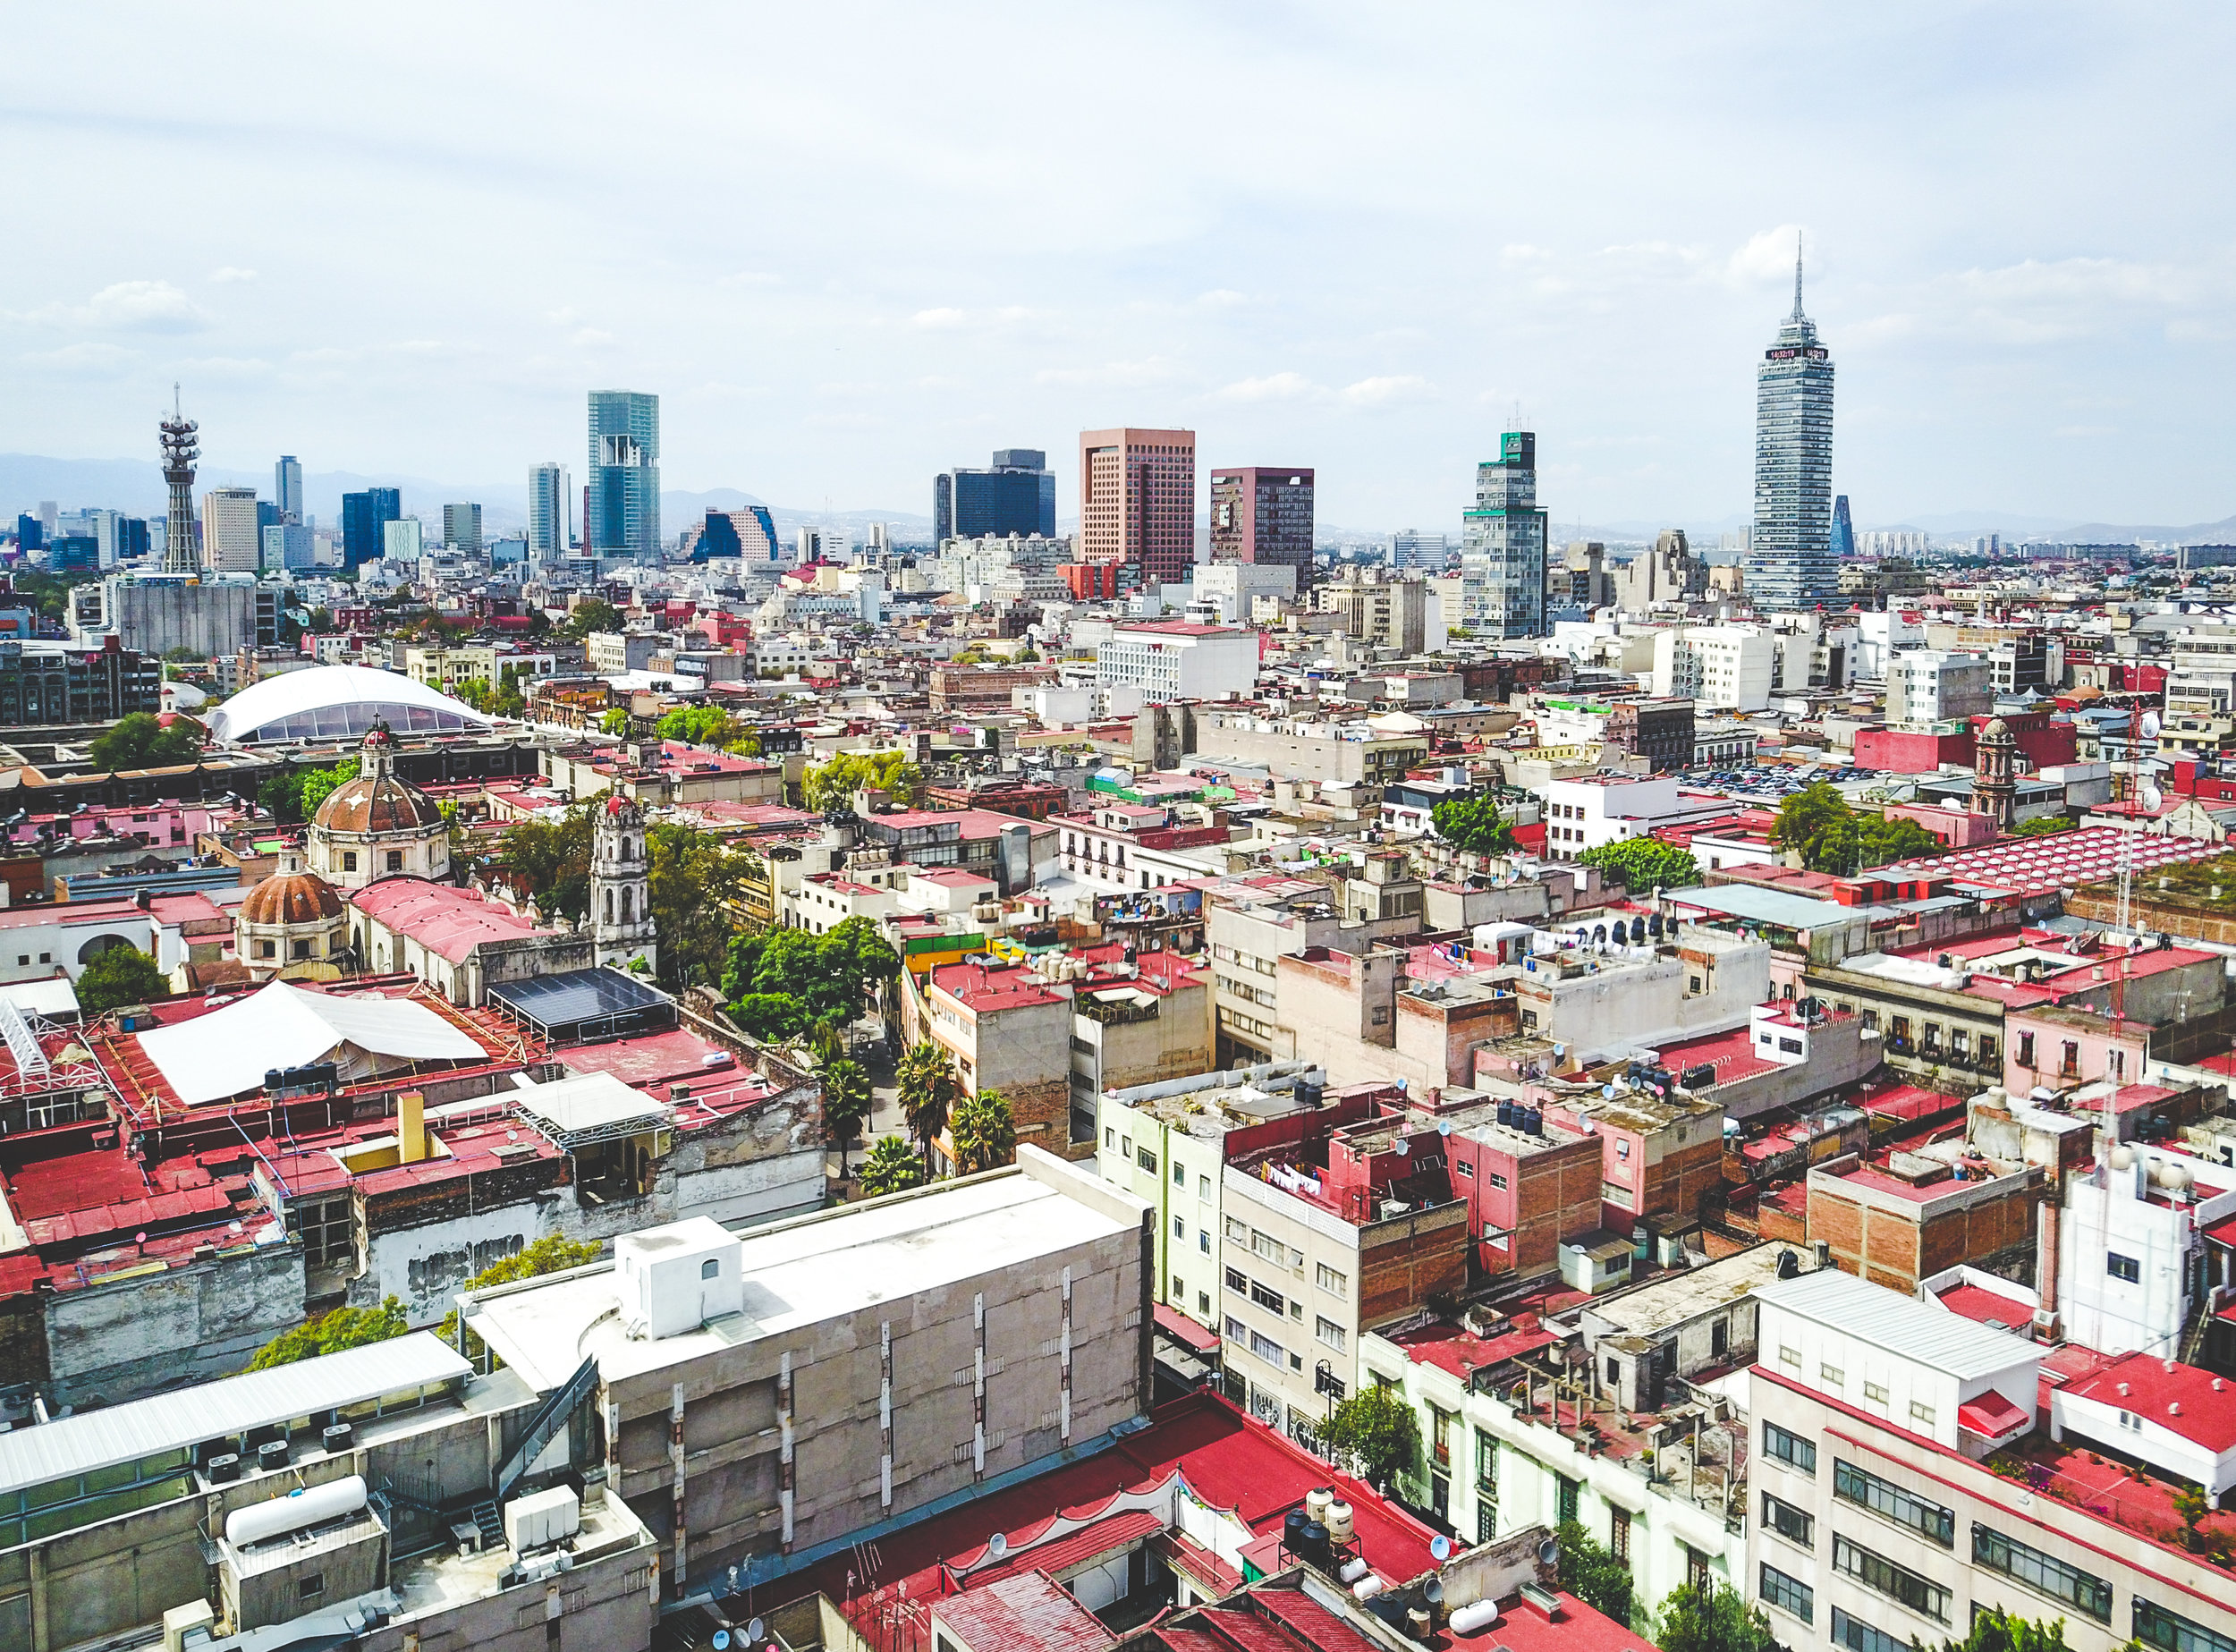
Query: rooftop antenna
{"x": 1797, "y": 275}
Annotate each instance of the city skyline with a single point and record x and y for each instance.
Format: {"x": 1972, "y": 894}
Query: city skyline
{"x": 2001, "y": 354}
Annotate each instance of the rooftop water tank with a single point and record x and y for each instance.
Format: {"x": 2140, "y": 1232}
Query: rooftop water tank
{"x": 312, "y": 1505}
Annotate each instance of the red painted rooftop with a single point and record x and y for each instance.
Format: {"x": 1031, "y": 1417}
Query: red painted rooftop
{"x": 2186, "y": 1400}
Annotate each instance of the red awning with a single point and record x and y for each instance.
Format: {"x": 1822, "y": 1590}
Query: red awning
{"x": 1991, "y": 1414}
{"x": 1200, "y": 1338}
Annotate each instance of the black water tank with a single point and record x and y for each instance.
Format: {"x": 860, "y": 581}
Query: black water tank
{"x": 1312, "y": 1544}
{"x": 1789, "y": 1265}
{"x": 1292, "y": 1531}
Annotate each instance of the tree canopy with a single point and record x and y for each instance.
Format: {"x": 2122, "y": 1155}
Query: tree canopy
{"x": 1833, "y": 837}
{"x": 1377, "y": 1431}
{"x": 502, "y": 699}
{"x": 984, "y": 1134}
{"x": 2045, "y": 827}
{"x": 1995, "y": 1630}
{"x": 594, "y": 614}
{"x": 710, "y": 725}
{"x": 890, "y": 1167}
{"x": 1705, "y": 1618}
{"x": 836, "y": 780}
{"x": 552, "y": 1254}
{"x": 294, "y": 795}
{"x": 846, "y": 1100}
{"x": 1645, "y": 862}
{"x": 552, "y": 860}
{"x": 141, "y": 741}
{"x": 696, "y": 879}
{"x": 344, "y": 1327}
{"x": 1473, "y": 826}
{"x": 929, "y": 1091}
{"x": 785, "y": 983}
{"x": 121, "y": 975}
{"x": 1591, "y": 1572}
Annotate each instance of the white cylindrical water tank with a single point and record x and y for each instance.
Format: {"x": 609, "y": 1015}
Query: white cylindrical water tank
{"x": 1316, "y": 1502}
{"x": 1338, "y": 1520}
{"x": 298, "y": 1509}
{"x": 1474, "y": 1617}
{"x": 1353, "y": 1570}
{"x": 1368, "y": 1587}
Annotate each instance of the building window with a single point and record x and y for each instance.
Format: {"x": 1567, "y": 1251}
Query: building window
{"x": 395, "y": 863}
{"x": 1854, "y": 1636}
{"x": 1180, "y": 1290}
{"x": 1498, "y": 1181}
{"x": 1110, "y": 1137}
{"x": 1832, "y": 1374}
{"x": 1267, "y": 1299}
{"x": 349, "y": 859}
{"x": 1237, "y": 1281}
{"x": 1619, "y": 1535}
{"x": 1203, "y": 1187}
{"x": 1899, "y": 1584}
{"x": 1873, "y": 1392}
{"x": 1789, "y": 1449}
{"x": 1146, "y": 1159}
{"x": 1328, "y": 1332}
{"x": 1564, "y": 1498}
{"x": 1788, "y": 1594}
{"x": 2170, "y": 1632}
{"x": 1789, "y": 1355}
{"x": 1889, "y": 1501}
{"x": 1179, "y": 1175}
{"x": 1460, "y": 1168}
{"x": 1988, "y": 1051}
{"x": 1203, "y": 1239}
{"x": 2026, "y": 1050}
{"x": 1485, "y": 1467}
{"x": 2127, "y": 1267}
{"x": 1335, "y": 1283}
{"x": 1180, "y": 1227}
{"x": 2084, "y": 1591}
{"x": 264, "y": 948}
{"x": 1793, "y": 1524}
{"x": 302, "y": 949}
{"x": 1920, "y": 1412}
{"x": 1203, "y": 1304}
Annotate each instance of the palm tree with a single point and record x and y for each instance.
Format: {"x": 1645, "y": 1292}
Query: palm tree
{"x": 985, "y": 1135}
{"x": 929, "y": 1091}
{"x": 890, "y": 1167}
{"x": 845, "y": 1104}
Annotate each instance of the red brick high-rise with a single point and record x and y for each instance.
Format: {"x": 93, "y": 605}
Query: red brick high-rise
{"x": 1138, "y": 501}
{"x": 1263, "y": 515}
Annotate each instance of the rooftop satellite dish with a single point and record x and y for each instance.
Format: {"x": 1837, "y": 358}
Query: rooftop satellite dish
{"x": 1443, "y": 1127}
{"x": 1607, "y": 1092}
{"x": 754, "y": 1629}
{"x": 1440, "y": 1547}
{"x": 722, "y": 1640}
{"x": 996, "y": 1547}
{"x": 1404, "y": 1146}
{"x": 1560, "y": 1049}
{"x": 1548, "y": 1553}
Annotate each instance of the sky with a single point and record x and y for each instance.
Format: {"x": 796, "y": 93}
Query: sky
{"x": 853, "y": 245}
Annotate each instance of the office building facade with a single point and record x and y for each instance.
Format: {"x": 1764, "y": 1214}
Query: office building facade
{"x": 462, "y": 528}
{"x": 287, "y": 488}
{"x": 1016, "y": 494}
{"x": 364, "y": 518}
{"x": 1413, "y": 551}
{"x": 1263, "y": 515}
{"x": 625, "y": 507}
{"x": 1790, "y": 561}
{"x": 1138, "y": 501}
{"x": 288, "y": 546}
{"x": 1505, "y": 539}
{"x": 1843, "y": 530}
{"x": 232, "y": 534}
{"x": 550, "y": 512}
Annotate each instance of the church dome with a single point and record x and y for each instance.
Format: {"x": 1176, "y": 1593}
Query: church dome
{"x": 290, "y": 897}
{"x": 377, "y": 803}
{"x": 1996, "y": 729}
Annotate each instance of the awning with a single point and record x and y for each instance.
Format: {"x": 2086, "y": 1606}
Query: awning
{"x": 1992, "y": 1415}
{"x": 227, "y": 1052}
{"x": 1186, "y": 1332}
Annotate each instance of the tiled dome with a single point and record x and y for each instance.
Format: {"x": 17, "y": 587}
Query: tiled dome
{"x": 377, "y": 803}
{"x": 291, "y": 897}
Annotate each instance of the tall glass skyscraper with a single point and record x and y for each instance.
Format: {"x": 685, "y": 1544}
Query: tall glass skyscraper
{"x": 550, "y": 512}
{"x": 365, "y": 519}
{"x": 1503, "y": 552}
{"x": 1791, "y": 563}
{"x": 624, "y": 516}
{"x": 287, "y": 488}
{"x": 1017, "y": 494}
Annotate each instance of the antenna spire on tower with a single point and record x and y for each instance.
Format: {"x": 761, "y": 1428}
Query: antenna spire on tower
{"x": 1797, "y": 275}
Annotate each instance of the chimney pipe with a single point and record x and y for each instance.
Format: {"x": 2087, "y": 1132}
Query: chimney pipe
{"x": 2045, "y": 1318}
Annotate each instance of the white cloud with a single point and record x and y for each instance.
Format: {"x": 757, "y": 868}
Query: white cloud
{"x": 937, "y": 319}
{"x": 1221, "y": 298}
{"x": 1113, "y": 375}
{"x": 89, "y": 358}
{"x": 227, "y": 274}
{"x": 1767, "y": 256}
{"x": 1274, "y": 387}
{"x": 591, "y": 338}
{"x": 225, "y": 367}
{"x": 1388, "y": 388}
{"x": 142, "y": 306}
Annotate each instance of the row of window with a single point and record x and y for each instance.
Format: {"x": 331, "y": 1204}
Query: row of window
{"x": 1874, "y": 1394}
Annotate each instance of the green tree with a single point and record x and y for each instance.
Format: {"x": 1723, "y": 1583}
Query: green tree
{"x": 984, "y": 1134}
{"x": 322, "y": 620}
{"x": 772, "y": 1017}
{"x": 614, "y": 722}
{"x": 846, "y": 1100}
{"x": 1995, "y": 1630}
{"x": 1591, "y": 1572}
{"x": 836, "y": 780}
{"x": 1377, "y": 1430}
{"x": 1473, "y": 826}
{"x": 119, "y": 976}
{"x": 1644, "y": 863}
{"x": 2190, "y": 1503}
{"x": 589, "y": 616}
{"x": 890, "y": 1167}
{"x": 929, "y": 1091}
{"x": 1883, "y": 838}
{"x": 344, "y": 1327}
{"x": 1817, "y": 822}
{"x": 828, "y": 978}
{"x": 2043, "y": 828}
{"x": 551, "y": 860}
{"x": 695, "y": 883}
{"x": 1705, "y": 1618}
{"x": 549, "y": 1254}
{"x": 699, "y": 725}
{"x": 141, "y": 741}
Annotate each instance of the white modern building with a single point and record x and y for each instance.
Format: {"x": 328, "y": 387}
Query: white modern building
{"x": 401, "y": 541}
{"x": 1172, "y": 660}
{"x": 1881, "y": 635}
{"x": 1592, "y": 809}
{"x": 1925, "y": 687}
{"x": 2131, "y": 1241}
{"x": 1718, "y": 667}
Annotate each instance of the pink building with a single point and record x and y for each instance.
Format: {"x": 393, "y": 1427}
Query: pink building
{"x": 1263, "y": 515}
{"x": 1138, "y": 501}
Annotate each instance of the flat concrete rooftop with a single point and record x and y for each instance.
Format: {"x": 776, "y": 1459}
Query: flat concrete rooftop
{"x": 798, "y": 1273}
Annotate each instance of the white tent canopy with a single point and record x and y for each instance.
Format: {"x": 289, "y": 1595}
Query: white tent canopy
{"x": 229, "y": 1051}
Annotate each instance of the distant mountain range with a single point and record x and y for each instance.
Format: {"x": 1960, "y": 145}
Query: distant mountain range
{"x": 136, "y": 484}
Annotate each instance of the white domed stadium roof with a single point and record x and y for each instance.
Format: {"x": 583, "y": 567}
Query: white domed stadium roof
{"x": 338, "y": 701}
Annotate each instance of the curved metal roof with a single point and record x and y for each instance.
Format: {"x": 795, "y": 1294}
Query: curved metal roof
{"x": 338, "y": 701}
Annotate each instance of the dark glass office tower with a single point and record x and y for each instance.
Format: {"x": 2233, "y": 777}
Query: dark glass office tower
{"x": 1017, "y": 494}
{"x": 364, "y": 518}
{"x": 624, "y": 518}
